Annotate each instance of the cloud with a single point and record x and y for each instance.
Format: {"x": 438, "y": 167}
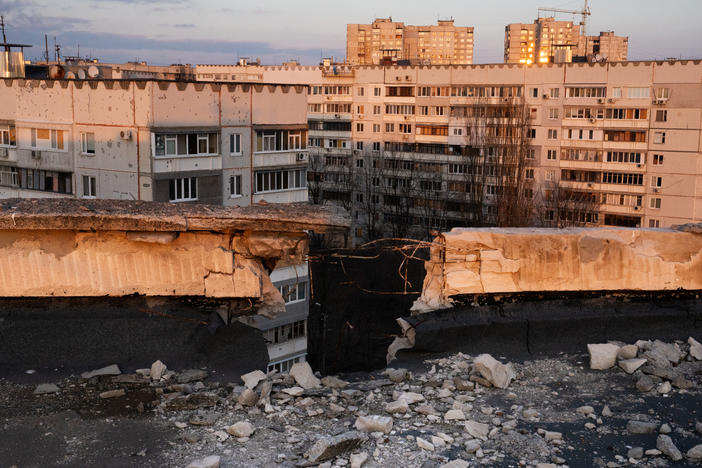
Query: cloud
{"x": 184, "y": 25}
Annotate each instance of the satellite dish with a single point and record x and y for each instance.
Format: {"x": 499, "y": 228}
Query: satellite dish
{"x": 93, "y": 71}
{"x": 70, "y": 75}
{"x": 598, "y": 58}
{"x": 81, "y": 74}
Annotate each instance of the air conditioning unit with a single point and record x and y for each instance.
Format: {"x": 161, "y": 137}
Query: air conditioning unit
{"x": 398, "y": 78}
{"x": 125, "y": 134}
{"x": 405, "y": 137}
{"x": 301, "y": 157}
{"x": 4, "y": 152}
{"x": 639, "y": 165}
{"x": 36, "y": 154}
{"x": 600, "y": 100}
{"x": 659, "y": 101}
{"x": 337, "y": 116}
{"x": 407, "y": 77}
{"x": 589, "y": 184}
{"x": 637, "y": 208}
{"x": 655, "y": 190}
{"x": 612, "y": 100}
{"x": 546, "y": 96}
{"x": 593, "y": 120}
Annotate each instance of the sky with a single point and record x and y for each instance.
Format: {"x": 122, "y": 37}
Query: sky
{"x": 220, "y": 31}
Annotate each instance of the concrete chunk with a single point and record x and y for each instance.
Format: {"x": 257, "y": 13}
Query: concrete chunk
{"x": 253, "y": 378}
{"x": 602, "y": 356}
{"x": 498, "y": 374}
{"x": 374, "y": 423}
{"x": 331, "y": 447}
{"x": 109, "y": 370}
{"x": 303, "y": 375}
{"x": 631, "y": 365}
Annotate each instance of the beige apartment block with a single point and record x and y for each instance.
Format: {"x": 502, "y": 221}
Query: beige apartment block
{"x": 627, "y": 134}
{"x": 549, "y": 41}
{"x": 387, "y": 41}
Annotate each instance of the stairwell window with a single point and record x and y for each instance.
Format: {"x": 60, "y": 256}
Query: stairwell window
{"x": 89, "y": 187}
{"x": 44, "y": 138}
{"x": 659, "y": 137}
{"x": 183, "y": 189}
{"x": 235, "y": 144}
{"x": 87, "y": 142}
{"x": 235, "y": 186}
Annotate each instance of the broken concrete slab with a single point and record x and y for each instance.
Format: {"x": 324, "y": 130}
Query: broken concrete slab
{"x": 602, "y": 355}
{"x": 303, "y": 375}
{"x": 631, "y": 365}
{"x": 502, "y": 260}
{"x": 157, "y": 370}
{"x": 331, "y": 447}
{"x": 253, "y": 378}
{"x": 695, "y": 348}
{"x": 43, "y": 389}
{"x": 112, "y": 369}
{"x": 374, "y": 423}
{"x": 498, "y": 374}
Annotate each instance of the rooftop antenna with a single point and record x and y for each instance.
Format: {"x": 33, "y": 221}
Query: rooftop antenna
{"x": 2, "y": 25}
{"x": 584, "y": 13}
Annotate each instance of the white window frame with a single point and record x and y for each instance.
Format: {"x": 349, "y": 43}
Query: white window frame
{"x": 91, "y": 186}
{"x": 85, "y": 141}
{"x": 235, "y": 190}
{"x": 235, "y": 144}
{"x": 181, "y": 183}
{"x": 5, "y": 140}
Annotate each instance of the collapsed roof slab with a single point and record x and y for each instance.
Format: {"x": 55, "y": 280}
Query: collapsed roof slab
{"x": 514, "y": 260}
{"x": 84, "y": 248}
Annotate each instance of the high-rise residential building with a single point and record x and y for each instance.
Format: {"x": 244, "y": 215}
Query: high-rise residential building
{"x": 388, "y": 41}
{"x": 549, "y": 41}
{"x": 612, "y": 144}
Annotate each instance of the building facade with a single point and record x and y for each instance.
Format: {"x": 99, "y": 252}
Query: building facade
{"x": 549, "y": 41}
{"x": 180, "y": 142}
{"x": 620, "y": 139}
{"x": 388, "y": 41}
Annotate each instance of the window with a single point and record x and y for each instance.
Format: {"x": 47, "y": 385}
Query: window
{"x": 661, "y": 116}
{"x": 34, "y": 179}
{"x": 663, "y": 93}
{"x": 9, "y": 176}
{"x": 655, "y": 203}
{"x": 185, "y": 144}
{"x": 359, "y": 163}
{"x": 235, "y": 143}
{"x": 285, "y": 365}
{"x": 235, "y": 186}
{"x": 359, "y": 197}
{"x": 550, "y": 175}
{"x": 404, "y": 128}
{"x": 376, "y": 128}
{"x": 622, "y": 178}
{"x": 531, "y": 153}
{"x": 42, "y": 138}
{"x": 359, "y": 145}
{"x": 529, "y": 173}
{"x": 8, "y": 136}
{"x": 552, "y": 134}
{"x": 280, "y": 140}
{"x": 376, "y": 92}
{"x": 555, "y": 93}
{"x": 638, "y": 93}
{"x": 531, "y": 133}
{"x": 586, "y": 92}
{"x": 359, "y": 127}
{"x": 288, "y": 331}
{"x": 659, "y": 137}
{"x": 616, "y": 92}
{"x": 89, "y": 187}
{"x": 553, "y": 113}
{"x": 360, "y": 109}
{"x": 535, "y": 92}
{"x": 184, "y": 189}
{"x": 376, "y": 146}
{"x": 625, "y": 157}
{"x": 377, "y": 110}
{"x": 87, "y": 143}
{"x": 283, "y": 179}
{"x": 657, "y": 159}
{"x": 551, "y": 154}
{"x": 361, "y": 91}
{"x": 389, "y": 127}
{"x": 656, "y": 181}
{"x": 457, "y": 131}
{"x": 654, "y": 223}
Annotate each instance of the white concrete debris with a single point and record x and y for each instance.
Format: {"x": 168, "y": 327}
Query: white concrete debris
{"x": 603, "y": 355}
{"x": 208, "y": 462}
{"x": 400, "y": 406}
{"x": 157, "y": 370}
{"x": 695, "y": 348}
{"x": 424, "y": 445}
{"x": 374, "y": 423}
{"x": 411, "y": 397}
{"x": 406, "y": 341}
{"x": 294, "y": 391}
{"x": 241, "y": 429}
{"x": 665, "y": 444}
{"x": 498, "y": 374}
{"x": 303, "y": 375}
{"x": 109, "y": 370}
{"x": 253, "y": 378}
{"x": 454, "y": 415}
{"x": 358, "y": 459}
{"x": 330, "y": 447}
{"x": 627, "y": 352}
{"x": 43, "y": 389}
{"x": 695, "y": 453}
{"x": 456, "y": 464}
{"x": 113, "y": 393}
{"x": 477, "y": 429}
{"x": 333, "y": 382}
{"x": 631, "y": 365}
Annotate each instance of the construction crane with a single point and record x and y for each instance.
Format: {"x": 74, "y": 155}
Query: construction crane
{"x": 585, "y": 12}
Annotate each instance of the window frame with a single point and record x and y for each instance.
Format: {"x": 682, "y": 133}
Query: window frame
{"x": 192, "y": 182}
{"x": 235, "y": 183}
{"x": 91, "y": 186}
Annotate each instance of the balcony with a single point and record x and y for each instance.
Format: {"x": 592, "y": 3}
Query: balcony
{"x": 164, "y": 164}
{"x": 280, "y": 158}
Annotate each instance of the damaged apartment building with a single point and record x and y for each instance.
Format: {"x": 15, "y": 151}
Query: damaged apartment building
{"x": 232, "y": 144}
{"x": 418, "y": 148}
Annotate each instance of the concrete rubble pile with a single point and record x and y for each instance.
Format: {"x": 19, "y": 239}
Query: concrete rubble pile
{"x": 462, "y": 411}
